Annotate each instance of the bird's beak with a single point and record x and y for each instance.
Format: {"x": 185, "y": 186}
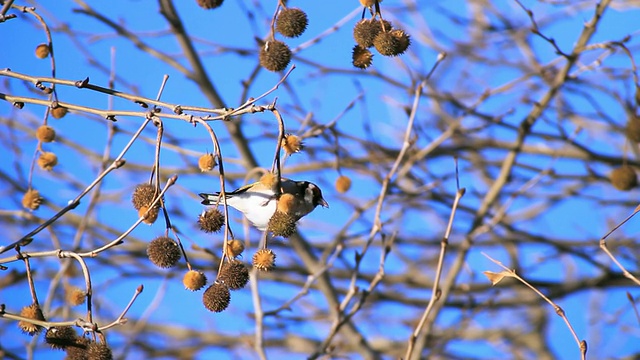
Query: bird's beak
{"x": 323, "y": 202}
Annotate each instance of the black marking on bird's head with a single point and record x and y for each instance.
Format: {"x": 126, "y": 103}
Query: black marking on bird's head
{"x": 313, "y": 194}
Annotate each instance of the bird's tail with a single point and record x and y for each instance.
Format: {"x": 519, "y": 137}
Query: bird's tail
{"x": 209, "y": 199}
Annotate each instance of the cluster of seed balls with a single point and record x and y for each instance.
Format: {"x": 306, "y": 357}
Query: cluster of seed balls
{"x": 275, "y": 55}
{"x": 625, "y": 177}
{"x": 381, "y": 35}
{"x": 47, "y": 160}
{"x": 64, "y": 337}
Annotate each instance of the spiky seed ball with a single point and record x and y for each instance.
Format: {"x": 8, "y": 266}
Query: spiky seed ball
{"x": 149, "y": 217}
{"x": 194, "y": 280}
{"x": 633, "y": 128}
{"x": 624, "y": 178}
{"x": 282, "y": 224}
{"x": 99, "y": 351}
{"x": 403, "y": 40}
{"x": 42, "y": 51}
{"x": 206, "y": 162}
{"x": 292, "y": 144}
{"x": 32, "y": 199}
{"x": 275, "y": 55}
{"x": 269, "y": 180}
{"x": 234, "y": 248}
{"x": 75, "y": 296}
{"x": 361, "y": 57}
{"x": 209, "y": 4}
{"x": 343, "y": 184}
{"x": 59, "y": 112}
{"x": 211, "y": 220}
{"x": 264, "y": 259}
{"x": 143, "y": 195}
{"x": 60, "y": 337}
{"x": 366, "y": 30}
{"x": 78, "y": 350}
{"x": 291, "y": 22}
{"x": 234, "y": 274}
{"x": 163, "y": 252}
{"x": 386, "y": 44}
{"x": 47, "y": 160}
{"x": 217, "y": 297}
{"x": 31, "y": 312}
{"x": 45, "y": 133}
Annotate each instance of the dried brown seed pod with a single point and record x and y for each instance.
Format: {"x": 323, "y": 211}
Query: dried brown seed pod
{"x": 194, "y": 280}
{"x": 149, "y": 217}
{"x": 633, "y": 128}
{"x": 624, "y": 178}
{"x": 366, "y": 30}
{"x": 361, "y": 57}
{"x": 211, "y": 220}
{"x": 42, "y": 51}
{"x": 59, "y": 112}
{"x": 163, "y": 252}
{"x": 47, "y": 160}
{"x": 209, "y": 4}
{"x": 343, "y": 184}
{"x": 282, "y": 224}
{"x": 264, "y": 259}
{"x": 59, "y": 337}
{"x": 217, "y": 297}
{"x": 234, "y": 274}
{"x": 234, "y": 248}
{"x": 386, "y": 44}
{"x": 403, "y": 41}
{"x": 99, "y": 351}
{"x": 207, "y": 162}
{"x": 78, "y": 349}
{"x": 275, "y": 55}
{"x": 75, "y": 296}
{"x": 45, "y": 133}
{"x": 32, "y": 199}
{"x": 291, "y": 22}
{"x": 143, "y": 195}
{"x": 31, "y": 312}
{"x": 292, "y": 144}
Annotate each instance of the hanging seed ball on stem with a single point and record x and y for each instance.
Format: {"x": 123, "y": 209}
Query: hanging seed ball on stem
{"x": 633, "y": 128}
{"x": 59, "y": 337}
{"x": 194, "y": 280}
{"x": 78, "y": 349}
{"x": 343, "y": 184}
{"x": 624, "y": 178}
{"x": 163, "y": 252}
{"x": 217, "y": 297}
{"x": 75, "y": 296}
{"x": 151, "y": 216}
{"x": 292, "y": 144}
{"x": 47, "y": 160}
{"x": 207, "y": 162}
{"x": 99, "y": 351}
{"x": 403, "y": 41}
{"x": 291, "y": 22}
{"x": 59, "y": 112}
{"x": 361, "y": 58}
{"x": 275, "y": 55}
{"x": 143, "y": 195}
{"x": 32, "y": 199}
{"x": 234, "y": 248}
{"x": 42, "y": 51}
{"x": 45, "y": 134}
{"x": 264, "y": 259}
{"x": 234, "y": 274}
{"x": 282, "y": 224}
{"x": 31, "y": 312}
{"x": 387, "y": 44}
{"x": 209, "y": 4}
{"x": 211, "y": 220}
{"x": 366, "y": 30}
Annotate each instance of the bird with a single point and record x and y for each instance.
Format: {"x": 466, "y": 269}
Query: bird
{"x": 258, "y": 202}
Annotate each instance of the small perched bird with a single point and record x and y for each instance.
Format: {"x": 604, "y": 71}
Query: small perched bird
{"x": 258, "y": 202}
